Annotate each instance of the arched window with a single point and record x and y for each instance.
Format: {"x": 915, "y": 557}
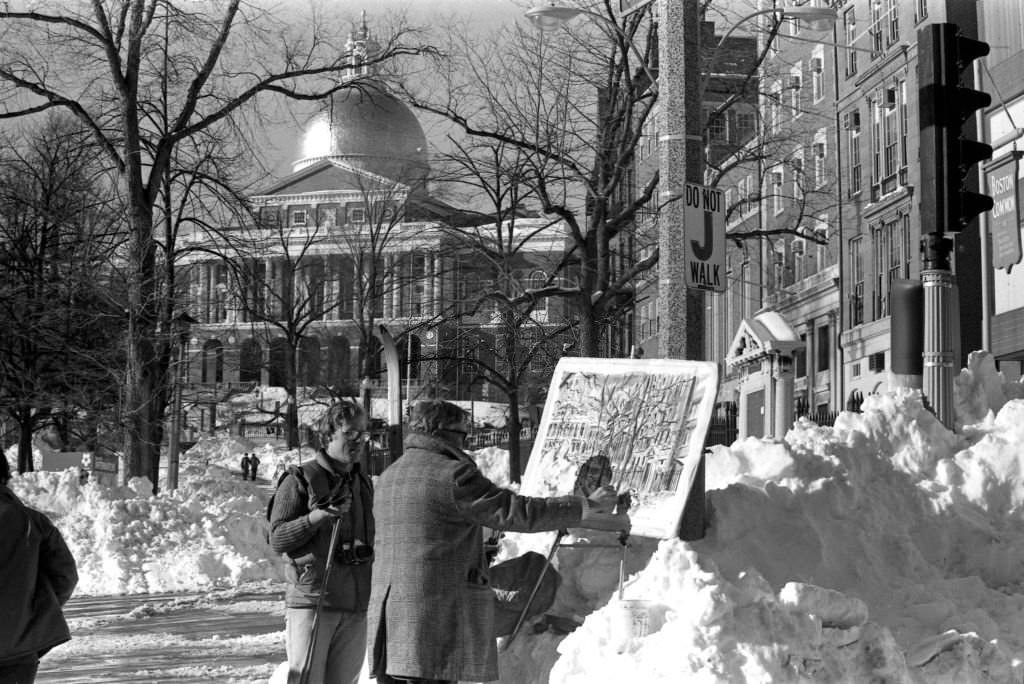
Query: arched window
{"x": 250, "y": 361}
{"x": 338, "y": 371}
{"x": 309, "y": 361}
{"x": 278, "y": 374}
{"x": 213, "y": 361}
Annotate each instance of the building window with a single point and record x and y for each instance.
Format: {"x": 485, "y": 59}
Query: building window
{"x": 775, "y": 178}
{"x": 800, "y": 359}
{"x": 890, "y": 132}
{"x": 877, "y": 28}
{"x": 823, "y": 357}
{"x": 357, "y": 214}
{"x": 921, "y": 10}
{"x": 797, "y": 164}
{"x": 821, "y": 253}
{"x": 856, "y": 281}
{"x": 818, "y": 76}
{"x": 819, "y": 164}
{"x": 799, "y": 249}
{"x": 851, "y": 124}
{"x": 794, "y": 85}
{"x": 775, "y": 107}
{"x": 716, "y": 123}
{"x": 298, "y": 217}
{"x": 876, "y": 141}
{"x": 850, "y": 30}
{"x": 892, "y": 11}
{"x": 746, "y": 121}
{"x": 901, "y": 90}
{"x": 890, "y": 263}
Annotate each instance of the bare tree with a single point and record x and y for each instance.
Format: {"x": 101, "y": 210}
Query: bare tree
{"x": 514, "y": 277}
{"x": 144, "y": 76}
{"x": 60, "y": 319}
{"x": 575, "y": 108}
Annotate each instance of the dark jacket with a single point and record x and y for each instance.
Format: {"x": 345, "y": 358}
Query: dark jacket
{"x": 37, "y": 575}
{"x": 431, "y": 610}
{"x": 305, "y": 548}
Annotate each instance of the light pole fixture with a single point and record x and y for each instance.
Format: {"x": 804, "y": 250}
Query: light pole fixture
{"x": 181, "y": 323}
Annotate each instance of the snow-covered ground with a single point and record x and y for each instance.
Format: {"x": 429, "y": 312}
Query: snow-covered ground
{"x": 886, "y": 548}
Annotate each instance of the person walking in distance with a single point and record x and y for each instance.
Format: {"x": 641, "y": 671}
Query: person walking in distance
{"x": 254, "y": 464}
{"x": 431, "y": 614}
{"x": 321, "y": 521}
{"x": 37, "y": 575}
{"x": 245, "y": 464}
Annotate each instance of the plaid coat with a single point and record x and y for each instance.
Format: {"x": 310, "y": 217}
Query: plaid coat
{"x": 431, "y": 612}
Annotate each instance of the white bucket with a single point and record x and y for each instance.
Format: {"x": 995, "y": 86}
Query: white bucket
{"x": 636, "y": 619}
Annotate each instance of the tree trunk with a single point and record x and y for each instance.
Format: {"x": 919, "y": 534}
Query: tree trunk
{"x": 141, "y": 445}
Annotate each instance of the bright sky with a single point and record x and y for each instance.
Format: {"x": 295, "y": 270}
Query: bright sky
{"x": 884, "y": 548}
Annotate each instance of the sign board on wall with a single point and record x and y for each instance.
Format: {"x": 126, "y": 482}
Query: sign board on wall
{"x": 1004, "y": 219}
{"x": 704, "y": 249}
{"x": 648, "y": 417}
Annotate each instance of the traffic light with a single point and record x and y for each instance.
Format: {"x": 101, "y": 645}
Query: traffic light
{"x": 945, "y": 105}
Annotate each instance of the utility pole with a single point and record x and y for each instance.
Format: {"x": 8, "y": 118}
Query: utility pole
{"x": 680, "y": 160}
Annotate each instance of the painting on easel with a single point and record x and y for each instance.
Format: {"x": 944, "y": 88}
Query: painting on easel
{"x": 647, "y": 417}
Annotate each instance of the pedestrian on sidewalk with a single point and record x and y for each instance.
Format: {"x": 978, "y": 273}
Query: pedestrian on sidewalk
{"x": 254, "y": 464}
{"x": 322, "y": 505}
{"x": 37, "y": 575}
{"x": 432, "y": 611}
{"x": 245, "y": 464}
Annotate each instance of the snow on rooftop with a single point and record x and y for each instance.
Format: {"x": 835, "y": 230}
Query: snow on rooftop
{"x": 883, "y": 548}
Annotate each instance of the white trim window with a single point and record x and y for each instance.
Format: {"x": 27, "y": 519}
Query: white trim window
{"x": 819, "y": 154}
{"x": 818, "y": 74}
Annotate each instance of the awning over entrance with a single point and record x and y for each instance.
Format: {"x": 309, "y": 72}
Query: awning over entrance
{"x": 765, "y": 334}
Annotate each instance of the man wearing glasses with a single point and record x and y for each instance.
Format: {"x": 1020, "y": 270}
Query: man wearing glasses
{"x": 320, "y": 506}
{"x": 431, "y": 616}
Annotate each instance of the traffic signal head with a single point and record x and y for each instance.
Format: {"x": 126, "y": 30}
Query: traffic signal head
{"x": 947, "y": 156}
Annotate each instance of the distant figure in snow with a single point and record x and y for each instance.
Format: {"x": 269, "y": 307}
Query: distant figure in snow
{"x": 254, "y": 464}
{"x": 37, "y": 575}
{"x": 431, "y": 613}
{"x": 245, "y": 464}
{"x": 324, "y": 504}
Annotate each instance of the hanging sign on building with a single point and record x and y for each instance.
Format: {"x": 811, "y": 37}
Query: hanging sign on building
{"x": 704, "y": 217}
{"x": 1004, "y": 219}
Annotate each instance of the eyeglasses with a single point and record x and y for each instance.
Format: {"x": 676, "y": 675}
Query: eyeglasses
{"x": 456, "y": 431}
{"x": 355, "y": 435}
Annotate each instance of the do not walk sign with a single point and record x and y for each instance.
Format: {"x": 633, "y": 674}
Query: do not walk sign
{"x": 704, "y": 220}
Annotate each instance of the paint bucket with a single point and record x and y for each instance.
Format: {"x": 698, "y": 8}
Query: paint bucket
{"x": 636, "y": 619}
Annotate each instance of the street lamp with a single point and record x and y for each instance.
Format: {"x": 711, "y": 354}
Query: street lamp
{"x": 180, "y": 324}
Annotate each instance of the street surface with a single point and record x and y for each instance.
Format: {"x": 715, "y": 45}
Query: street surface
{"x": 227, "y": 637}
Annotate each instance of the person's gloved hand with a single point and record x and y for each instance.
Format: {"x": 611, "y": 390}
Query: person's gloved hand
{"x": 601, "y": 500}
{"x": 318, "y": 516}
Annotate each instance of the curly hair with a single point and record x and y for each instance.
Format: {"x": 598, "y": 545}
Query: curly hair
{"x": 433, "y": 415}
{"x": 339, "y": 413}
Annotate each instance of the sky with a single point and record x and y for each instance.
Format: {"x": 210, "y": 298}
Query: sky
{"x": 883, "y": 548}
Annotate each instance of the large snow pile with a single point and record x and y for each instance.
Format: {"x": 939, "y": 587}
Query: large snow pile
{"x": 883, "y": 548}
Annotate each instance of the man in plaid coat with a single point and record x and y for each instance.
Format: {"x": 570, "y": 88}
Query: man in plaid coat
{"x": 431, "y": 612}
